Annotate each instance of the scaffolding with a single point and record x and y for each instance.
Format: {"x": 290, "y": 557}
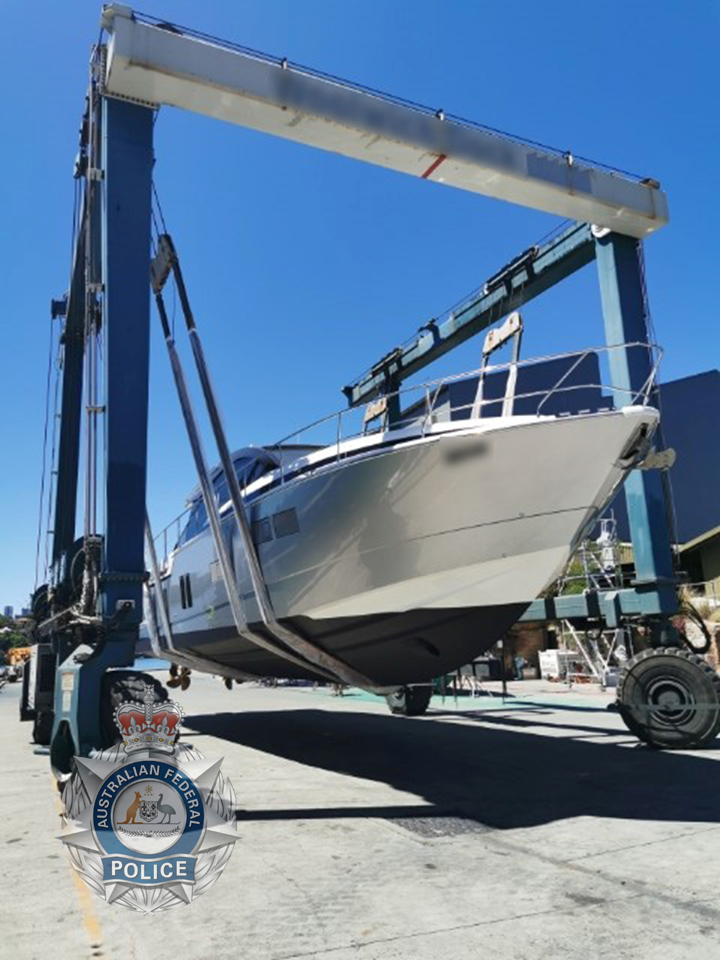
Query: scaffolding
{"x": 591, "y": 655}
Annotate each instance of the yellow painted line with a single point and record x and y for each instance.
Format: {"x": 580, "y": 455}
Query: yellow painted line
{"x": 91, "y": 922}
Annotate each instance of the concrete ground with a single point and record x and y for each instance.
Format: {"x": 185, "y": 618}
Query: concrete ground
{"x": 535, "y": 828}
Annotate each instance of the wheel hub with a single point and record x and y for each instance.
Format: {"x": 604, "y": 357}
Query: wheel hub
{"x": 670, "y": 701}
{"x": 670, "y": 698}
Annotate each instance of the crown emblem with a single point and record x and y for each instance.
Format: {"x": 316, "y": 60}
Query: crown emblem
{"x": 149, "y": 725}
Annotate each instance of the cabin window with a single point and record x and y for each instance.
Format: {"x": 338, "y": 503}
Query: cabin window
{"x": 247, "y": 470}
{"x": 241, "y": 466}
{"x": 222, "y": 491}
{"x": 197, "y": 521}
{"x": 285, "y": 523}
{"x": 261, "y": 531}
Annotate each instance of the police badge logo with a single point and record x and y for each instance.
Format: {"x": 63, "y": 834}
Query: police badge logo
{"x": 149, "y": 824}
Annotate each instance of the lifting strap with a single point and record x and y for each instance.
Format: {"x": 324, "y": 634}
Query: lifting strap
{"x": 286, "y": 643}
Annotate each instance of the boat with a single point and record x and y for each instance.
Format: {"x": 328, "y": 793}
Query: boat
{"x": 405, "y": 550}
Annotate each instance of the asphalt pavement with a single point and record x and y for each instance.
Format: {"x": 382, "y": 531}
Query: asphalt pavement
{"x": 519, "y": 829}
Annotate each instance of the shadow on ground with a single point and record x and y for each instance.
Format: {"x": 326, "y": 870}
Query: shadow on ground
{"x": 501, "y": 778}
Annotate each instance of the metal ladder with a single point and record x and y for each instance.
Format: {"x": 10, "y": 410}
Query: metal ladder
{"x": 512, "y": 329}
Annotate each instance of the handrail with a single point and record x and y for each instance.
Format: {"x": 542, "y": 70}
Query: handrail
{"x": 437, "y": 384}
{"x": 562, "y": 379}
{"x": 430, "y": 392}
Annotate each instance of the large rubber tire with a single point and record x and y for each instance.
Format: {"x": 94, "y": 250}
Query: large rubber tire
{"x": 42, "y": 728}
{"x": 410, "y": 701}
{"x": 25, "y": 712}
{"x": 670, "y": 699}
{"x": 118, "y": 687}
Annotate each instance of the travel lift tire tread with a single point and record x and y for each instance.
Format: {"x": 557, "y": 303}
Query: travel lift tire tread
{"x": 410, "y": 701}
{"x": 26, "y": 713}
{"x": 118, "y": 686}
{"x": 42, "y": 728}
{"x": 670, "y": 699}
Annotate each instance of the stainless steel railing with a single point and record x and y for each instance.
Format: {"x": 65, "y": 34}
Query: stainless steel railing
{"x": 421, "y": 406}
{"x": 348, "y": 424}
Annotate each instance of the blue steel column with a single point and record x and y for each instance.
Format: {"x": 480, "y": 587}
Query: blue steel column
{"x": 127, "y": 163}
{"x": 625, "y": 317}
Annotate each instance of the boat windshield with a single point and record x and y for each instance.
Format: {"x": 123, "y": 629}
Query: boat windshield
{"x": 249, "y": 466}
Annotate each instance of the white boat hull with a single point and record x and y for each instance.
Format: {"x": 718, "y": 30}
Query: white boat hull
{"x": 412, "y": 553}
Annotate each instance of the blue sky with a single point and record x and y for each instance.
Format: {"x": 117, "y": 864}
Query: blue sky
{"x": 303, "y": 268}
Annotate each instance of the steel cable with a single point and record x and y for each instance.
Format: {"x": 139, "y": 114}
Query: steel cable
{"x": 44, "y": 456}
{"x": 669, "y": 497}
{"x": 379, "y": 94}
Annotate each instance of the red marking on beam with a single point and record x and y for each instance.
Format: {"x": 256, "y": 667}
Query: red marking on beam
{"x": 433, "y": 166}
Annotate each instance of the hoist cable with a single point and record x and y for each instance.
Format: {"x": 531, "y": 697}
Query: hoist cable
{"x": 669, "y": 497}
{"x": 46, "y": 425}
{"x": 53, "y": 449}
{"x": 156, "y": 238}
{"x": 159, "y": 207}
{"x": 44, "y": 456}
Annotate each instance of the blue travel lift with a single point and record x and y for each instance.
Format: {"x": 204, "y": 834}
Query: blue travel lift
{"x": 90, "y": 612}
{"x": 533, "y": 272}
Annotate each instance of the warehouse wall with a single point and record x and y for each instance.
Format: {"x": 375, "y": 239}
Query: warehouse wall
{"x": 691, "y": 424}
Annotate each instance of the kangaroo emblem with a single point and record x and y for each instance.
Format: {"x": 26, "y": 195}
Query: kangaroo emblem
{"x": 132, "y": 810}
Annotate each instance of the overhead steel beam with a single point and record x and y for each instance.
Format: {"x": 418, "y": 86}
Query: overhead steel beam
{"x": 159, "y": 64}
{"x": 649, "y": 600}
{"x": 524, "y": 278}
